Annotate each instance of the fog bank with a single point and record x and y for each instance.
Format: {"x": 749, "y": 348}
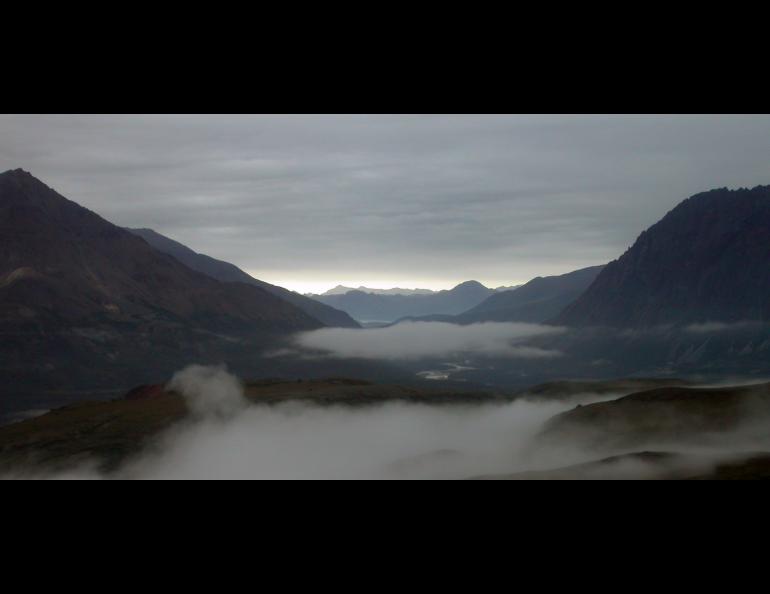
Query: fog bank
{"x": 417, "y": 340}
{"x": 227, "y": 437}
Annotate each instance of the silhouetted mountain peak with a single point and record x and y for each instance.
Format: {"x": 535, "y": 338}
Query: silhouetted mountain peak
{"x": 93, "y": 268}
{"x": 24, "y": 180}
{"x": 468, "y": 285}
{"x": 18, "y": 173}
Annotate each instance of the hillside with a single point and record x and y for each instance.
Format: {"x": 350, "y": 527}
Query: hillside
{"x": 705, "y": 261}
{"x": 666, "y": 416}
{"x": 92, "y": 304}
{"x": 226, "y": 272}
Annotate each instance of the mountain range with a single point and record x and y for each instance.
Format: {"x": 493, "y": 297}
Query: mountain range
{"x": 388, "y": 308}
{"x": 537, "y": 301}
{"x": 85, "y": 304}
{"x": 341, "y": 290}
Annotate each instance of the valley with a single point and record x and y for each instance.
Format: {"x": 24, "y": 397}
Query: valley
{"x": 495, "y": 297}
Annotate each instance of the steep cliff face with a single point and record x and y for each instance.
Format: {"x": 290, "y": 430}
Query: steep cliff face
{"x": 705, "y": 261}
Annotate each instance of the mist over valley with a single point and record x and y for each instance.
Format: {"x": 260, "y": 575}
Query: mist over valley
{"x": 619, "y": 329}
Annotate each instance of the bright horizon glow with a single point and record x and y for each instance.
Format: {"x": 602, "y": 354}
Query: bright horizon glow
{"x": 321, "y": 286}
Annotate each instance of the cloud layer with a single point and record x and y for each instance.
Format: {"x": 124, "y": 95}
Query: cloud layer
{"x": 405, "y": 198}
{"x": 418, "y": 340}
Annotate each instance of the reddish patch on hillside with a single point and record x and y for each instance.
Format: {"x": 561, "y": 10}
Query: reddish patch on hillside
{"x": 145, "y": 392}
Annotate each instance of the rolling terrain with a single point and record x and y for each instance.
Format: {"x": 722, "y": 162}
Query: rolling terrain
{"x": 671, "y": 432}
{"x": 669, "y": 416}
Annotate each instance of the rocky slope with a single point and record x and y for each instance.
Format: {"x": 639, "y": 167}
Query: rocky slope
{"x": 705, "y": 261}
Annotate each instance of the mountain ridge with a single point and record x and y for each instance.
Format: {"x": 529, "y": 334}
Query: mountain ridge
{"x": 227, "y": 272}
{"x": 342, "y": 290}
{"x": 704, "y": 261}
{"x": 387, "y": 308}
{"x": 534, "y": 302}
{"x": 95, "y": 306}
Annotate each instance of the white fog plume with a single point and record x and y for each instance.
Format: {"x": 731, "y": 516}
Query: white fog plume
{"x": 391, "y": 441}
{"x": 416, "y": 340}
{"x": 209, "y": 391}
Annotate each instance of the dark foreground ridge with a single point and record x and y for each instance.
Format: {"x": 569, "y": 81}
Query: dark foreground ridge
{"x": 655, "y": 466}
{"x": 665, "y": 433}
{"x": 671, "y": 415}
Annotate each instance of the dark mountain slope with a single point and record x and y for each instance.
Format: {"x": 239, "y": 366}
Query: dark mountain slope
{"x": 705, "y": 261}
{"x": 226, "y": 272}
{"x": 368, "y": 306}
{"x": 536, "y": 301}
{"x": 86, "y": 304}
{"x": 64, "y": 262}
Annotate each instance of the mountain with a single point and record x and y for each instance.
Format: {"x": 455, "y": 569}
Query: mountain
{"x": 92, "y": 304}
{"x": 536, "y": 301}
{"x": 705, "y": 261}
{"x": 341, "y": 290}
{"x": 226, "y": 272}
{"x": 386, "y": 308}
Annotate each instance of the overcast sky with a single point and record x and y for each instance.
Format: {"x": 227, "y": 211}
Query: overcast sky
{"x": 429, "y": 201}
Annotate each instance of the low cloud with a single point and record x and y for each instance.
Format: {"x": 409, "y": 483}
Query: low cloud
{"x": 418, "y": 340}
{"x": 713, "y": 327}
{"x": 210, "y": 391}
{"x": 229, "y": 438}
{"x": 298, "y": 440}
